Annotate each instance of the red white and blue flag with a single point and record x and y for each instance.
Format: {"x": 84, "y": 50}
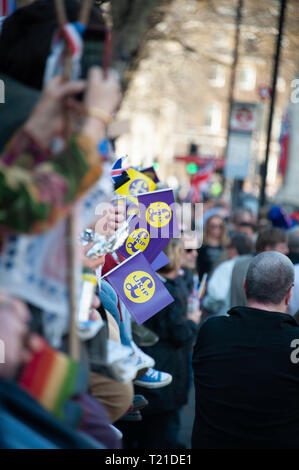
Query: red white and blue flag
{"x": 284, "y": 141}
{"x": 7, "y": 7}
{"x": 116, "y": 170}
{"x": 70, "y": 34}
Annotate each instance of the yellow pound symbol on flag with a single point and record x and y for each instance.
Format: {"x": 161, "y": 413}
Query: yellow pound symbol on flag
{"x": 138, "y": 240}
{"x": 158, "y": 214}
{"x": 139, "y": 287}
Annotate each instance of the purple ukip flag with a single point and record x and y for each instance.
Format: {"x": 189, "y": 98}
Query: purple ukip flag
{"x": 160, "y": 261}
{"x": 150, "y": 172}
{"x": 139, "y": 287}
{"x": 158, "y": 214}
{"x": 139, "y": 239}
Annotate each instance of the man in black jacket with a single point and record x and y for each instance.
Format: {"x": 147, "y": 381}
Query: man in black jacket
{"x": 246, "y": 366}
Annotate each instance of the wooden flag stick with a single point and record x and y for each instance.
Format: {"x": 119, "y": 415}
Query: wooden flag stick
{"x": 60, "y": 12}
{"x": 85, "y": 12}
{"x": 74, "y": 342}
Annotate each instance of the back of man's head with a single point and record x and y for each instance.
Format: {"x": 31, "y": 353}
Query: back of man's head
{"x": 270, "y": 239}
{"x": 293, "y": 240}
{"x": 269, "y": 278}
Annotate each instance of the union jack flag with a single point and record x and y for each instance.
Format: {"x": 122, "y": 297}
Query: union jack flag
{"x": 116, "y": 170}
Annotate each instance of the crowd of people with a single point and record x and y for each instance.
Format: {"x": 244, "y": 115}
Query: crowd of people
{"x": 228, "y": 331}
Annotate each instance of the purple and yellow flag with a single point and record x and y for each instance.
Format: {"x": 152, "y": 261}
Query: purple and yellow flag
{"x": 160, "y": 261}
{"x": 151, "y": 173}
{"x": 158, "y": 214}
{"x": 139, "y": 287}
{"x": 156, "y": 224}
{"x": 140, "y": 240}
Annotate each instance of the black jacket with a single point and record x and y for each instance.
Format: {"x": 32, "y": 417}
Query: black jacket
{"x": 177, "y": 334}
{"x": 207, "y": 257}
{"x": 246, "y": 382}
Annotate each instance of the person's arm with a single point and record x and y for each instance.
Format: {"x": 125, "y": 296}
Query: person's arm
{"x": 36, "y": 196}
{"x": 17, "y": 344}
{"x": 37, "y": 188}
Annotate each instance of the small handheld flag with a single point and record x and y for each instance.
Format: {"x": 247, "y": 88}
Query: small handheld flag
{"x": 117, "y": 170}
{"x": 158, "y": 214}
{"x": 138, "y": 184}
{"x": 139, "y": 287}
{"x": 151, "y": 173}
{"x": 52, "y": 378}
{"x": 160, "y": 261}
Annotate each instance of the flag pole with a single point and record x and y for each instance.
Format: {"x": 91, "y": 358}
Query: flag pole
{"x": 74, "y": 342}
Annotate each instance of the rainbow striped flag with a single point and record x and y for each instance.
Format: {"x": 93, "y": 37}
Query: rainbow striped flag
{"x": 52, "y": 378}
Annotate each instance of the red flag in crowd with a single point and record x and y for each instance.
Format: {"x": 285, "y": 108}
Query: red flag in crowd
{"x": 284, "y": 141}
{"x": 202, "y": 176}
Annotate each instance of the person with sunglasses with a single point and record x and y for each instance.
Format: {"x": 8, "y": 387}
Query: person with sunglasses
{"x": 214, "y": 243}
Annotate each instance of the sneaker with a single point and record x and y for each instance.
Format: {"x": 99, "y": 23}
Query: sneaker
{"x": 144, "y": 360}
{"x": 143, "y": 336}
{"x": 154, "y": 379}
{"x": 141, "y": 365}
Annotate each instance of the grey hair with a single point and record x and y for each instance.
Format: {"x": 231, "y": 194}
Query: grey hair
{"x": 293, "y": 240}
{"x": 269, "y": 278}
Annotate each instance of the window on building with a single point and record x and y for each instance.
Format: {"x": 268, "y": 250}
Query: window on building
{"x": 213, "y": 117}
{"x": 217, "y": 75}
{"x": 247, "y": 77}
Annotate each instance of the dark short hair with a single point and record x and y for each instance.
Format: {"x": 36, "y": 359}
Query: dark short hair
{"x": 270, "y": 237}
{"x": 26, "y": 38}
{"x": 269, "y": 278}
{"x": 242, "y": 243}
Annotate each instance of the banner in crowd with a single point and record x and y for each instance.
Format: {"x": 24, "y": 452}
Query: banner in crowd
{"x": 139, "y": 287}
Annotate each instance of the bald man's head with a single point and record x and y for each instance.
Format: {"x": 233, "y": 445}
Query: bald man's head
{"x": 269, "y": 278}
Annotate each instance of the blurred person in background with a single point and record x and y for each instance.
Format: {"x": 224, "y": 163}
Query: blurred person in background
{"x": 217, "y": 298}
{"x": 161, "y": 419}
{"x": 214, "y": 242}
{"x": 243, "y": 221}
{"x": 269, "y": 239}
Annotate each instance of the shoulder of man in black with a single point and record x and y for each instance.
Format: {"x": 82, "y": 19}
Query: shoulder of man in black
{"x": 244, "y": 322}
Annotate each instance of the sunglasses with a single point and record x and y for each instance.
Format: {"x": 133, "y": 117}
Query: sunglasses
{"x": 189, "y": 250}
